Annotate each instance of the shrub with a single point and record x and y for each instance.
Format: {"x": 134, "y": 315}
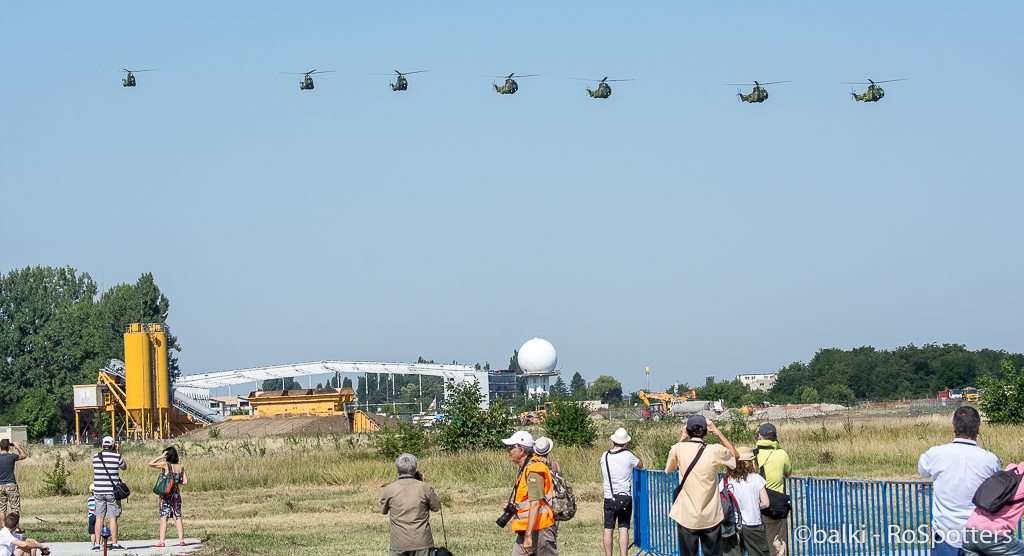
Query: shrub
{"x": 215, "y": 433}
{"x": 401, "y": 438}
{"x": 737, "y": 430}
{"x": 810, "y": 395}
{"x": 465, "y": 426}
{"x": 570, "y": 424}
{"x": 56, "y": 481}
{"x": 840, "y": 394}
{"x": 1002, "y": 399}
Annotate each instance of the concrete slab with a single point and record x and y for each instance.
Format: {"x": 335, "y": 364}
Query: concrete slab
{"x": 135, "y": 548}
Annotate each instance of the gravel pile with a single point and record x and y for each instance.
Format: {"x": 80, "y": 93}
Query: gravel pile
{"x": 805, "y": 412}
{"x": 771, "y": 414}
{"x": 831, "y": 407}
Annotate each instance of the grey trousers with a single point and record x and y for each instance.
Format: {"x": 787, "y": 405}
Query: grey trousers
{"x": 544, "y": 543}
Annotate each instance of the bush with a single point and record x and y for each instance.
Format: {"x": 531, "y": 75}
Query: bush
{"x": 736, "y": 429}
{"x": 56, "y": 481}
{"x": 840, "y": 394}
{"x": 810, "y": 395}
{"x": 402, "y": 438}
{"x": 1002, "y": 399}
{"x": 570, "y": 424}
{"x": 465, "y": 426}
{"x": 214, "y": 433}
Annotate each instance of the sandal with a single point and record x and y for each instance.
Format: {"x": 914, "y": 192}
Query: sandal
{"x": 158, "y": 545}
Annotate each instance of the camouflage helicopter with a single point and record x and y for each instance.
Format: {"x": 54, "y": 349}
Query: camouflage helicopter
{"x": 874, "y": 92}
{"x": 759, "y": 94}
{"x": 307, "y": 81}
{"x": 604, "y": 90}
{"x": 129, "y": 80}
{"x": 510, "y": 87}
{"x": 401, "y": 84}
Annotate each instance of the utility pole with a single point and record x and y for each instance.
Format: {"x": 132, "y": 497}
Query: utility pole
{"x": 648, "y": 371}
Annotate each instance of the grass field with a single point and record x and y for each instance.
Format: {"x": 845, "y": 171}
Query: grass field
{"x": 287, "y": 494}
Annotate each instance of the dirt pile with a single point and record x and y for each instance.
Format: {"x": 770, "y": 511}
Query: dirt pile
{"x": 771, "y": 414}
{"x": 276, "y": 426}
{"x": 805, "y": 412}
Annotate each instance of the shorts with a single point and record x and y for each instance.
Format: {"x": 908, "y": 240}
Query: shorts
{"x": 92, "y": 524}
{"x": 107, "y": 506}
{"x": 170, "y": 506}
{"x": 611, "y": 516}
{"x": 10, "y": 500}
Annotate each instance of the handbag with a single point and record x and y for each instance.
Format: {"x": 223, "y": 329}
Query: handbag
{"x": 778, "y": 502}
{"x": 164, "y": 485}
{"x": 620, "y": 502}
{"x": 121, "y": 490}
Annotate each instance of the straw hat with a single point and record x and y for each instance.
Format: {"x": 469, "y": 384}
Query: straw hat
{"x": 543, "y": 445}
{"x": 621, "y": 436}
{"x": 746, "y": 453}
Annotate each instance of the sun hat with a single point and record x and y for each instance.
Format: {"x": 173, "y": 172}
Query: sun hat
{"x": 108, "y": 441}
{"x": 543, "y": 445}
{"x": 621, "y": 436}
{"x": 766, "y": 429}
{"x": 746, "y": 453}
{"x": 92, "y": 487}
{"x": 521, "y": 438}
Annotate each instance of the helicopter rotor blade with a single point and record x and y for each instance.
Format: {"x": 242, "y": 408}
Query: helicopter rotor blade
{"x": 774, "y": 83}
{"x": 412, "y": 72}
{"x": 531, "y": 75}
{"x": 740, "y": 84}
{"x": 888, "y": 80}
{"x": 324, "y": 71}
{"x": 140, "y": 71}
{"x": 853, "y": 83}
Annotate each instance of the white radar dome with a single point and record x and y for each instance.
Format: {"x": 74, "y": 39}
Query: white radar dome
{"x": 537, "y": 356}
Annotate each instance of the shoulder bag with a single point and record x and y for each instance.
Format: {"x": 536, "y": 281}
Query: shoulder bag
{"x": 164, "y": 483}
{"x": 620, "y": 502}
{"x": 121, "y": 490}
{"x": 778, "y": 502}
{"x": 679, "y": 488}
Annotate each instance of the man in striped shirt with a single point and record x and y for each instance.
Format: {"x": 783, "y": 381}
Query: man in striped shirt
{"x": 106, "y": 467}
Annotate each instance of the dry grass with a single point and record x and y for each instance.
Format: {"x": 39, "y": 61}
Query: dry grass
{"x": 273, "y": 495}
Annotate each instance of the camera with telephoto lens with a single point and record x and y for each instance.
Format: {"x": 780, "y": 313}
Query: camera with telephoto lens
{"x": 510, "y": 512}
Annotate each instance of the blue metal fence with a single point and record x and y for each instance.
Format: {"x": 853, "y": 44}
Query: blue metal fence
{"x": 830, "y": 517}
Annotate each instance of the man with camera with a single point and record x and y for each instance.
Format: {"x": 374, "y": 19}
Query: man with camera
{"x": 10, "y": 498}
{"x": 106, "y": 468}
{"x": 529, "y": 507}
{"x": 408, "y": 500}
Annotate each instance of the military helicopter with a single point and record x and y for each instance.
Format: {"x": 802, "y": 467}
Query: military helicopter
{"x": 874, "y": 92}
{"x": 402, "y": 84}
{"x": 759, "y": 94}
{"x": 604, "y": 90}
{"x": 510, "y": 87}
{"x": 129, "y": 80}
{"x": 307, "y": 81}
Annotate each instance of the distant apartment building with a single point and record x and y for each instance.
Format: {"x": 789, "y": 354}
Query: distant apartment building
{"x": 502, "y": 384}
{"x": 758, "y": 382}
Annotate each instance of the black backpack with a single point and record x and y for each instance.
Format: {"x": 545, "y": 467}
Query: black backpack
{"x": 997, "y": 491}
{"x": 730, "y": 508}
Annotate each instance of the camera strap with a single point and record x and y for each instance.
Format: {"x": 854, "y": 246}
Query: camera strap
{"x": 519, "y": 477}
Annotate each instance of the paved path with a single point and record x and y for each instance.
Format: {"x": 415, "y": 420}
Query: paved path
{"x": 135, "y": 548}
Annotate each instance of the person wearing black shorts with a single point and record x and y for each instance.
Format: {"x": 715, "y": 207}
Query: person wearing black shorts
{"x": 617, "y": 467}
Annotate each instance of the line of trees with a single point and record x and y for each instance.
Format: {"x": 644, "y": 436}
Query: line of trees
{"x": 57, "y": 330}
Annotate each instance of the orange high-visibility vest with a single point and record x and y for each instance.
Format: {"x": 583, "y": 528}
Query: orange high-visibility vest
{"x": 545, "y": 517}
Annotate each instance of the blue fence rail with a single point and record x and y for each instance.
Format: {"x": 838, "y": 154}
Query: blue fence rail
{"x": 830, "y": 517}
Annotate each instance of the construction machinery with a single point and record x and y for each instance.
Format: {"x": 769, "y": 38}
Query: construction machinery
{"x": 137, "y": 393}
{"x": 538, "y": 415}
{"x": 660, "y": 405}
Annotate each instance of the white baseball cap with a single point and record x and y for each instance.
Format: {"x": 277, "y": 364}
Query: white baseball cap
{"x": 520, "y": 438}
{"x": 108, "y": 440}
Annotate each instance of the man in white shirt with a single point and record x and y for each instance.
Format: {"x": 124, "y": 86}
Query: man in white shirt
{"x": 11, "y": 545}
{"x": 956, "y": 469}
{"x": 617, "y": 467}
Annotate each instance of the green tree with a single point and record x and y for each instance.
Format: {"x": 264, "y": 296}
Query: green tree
{"x": 606, "y": 389}
{"x": 578, "y": 386}
{"x": 1002, "y": 397}
{"x": 39, "y": 414}
{"x": 400, "y": 437}
{"x": 839, "y": 394}
{"x": 464, "y": 426}
{"x": 346, "y": 382}
{"x": 559, "y": 389}
{"x": 280, "y": 384}
{"x": 732, "y": 393}
{"x": 570, "y": 424}
{"x": 810, "y": 395}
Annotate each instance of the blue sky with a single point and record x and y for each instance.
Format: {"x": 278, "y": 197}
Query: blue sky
{"x": 669, "y": 226}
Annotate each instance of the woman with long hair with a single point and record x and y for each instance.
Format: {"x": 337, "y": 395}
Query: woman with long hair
{"x": 748, "y": 486}
{"x": 170, "y": 504}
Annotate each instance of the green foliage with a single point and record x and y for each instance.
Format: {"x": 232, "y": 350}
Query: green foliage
{"x": 904, "y": 372}
{"x": 55, "y": 332}
{"x": 570, "y": 424}
{"x": 577, "y": 386}
{"x": 839, "y": 394}
{"x": 401, "y": 438}
{"x": 464, "y": 426}
{"x": 732, "y": 392}
{"x": 56, "y": 480}
{"x": 737, "y": 430}
{"x": 1002, "y": 398}
{"x": 39, "y": 413}
{"x": 754, "y": 398}
{"x": 809, "y": 395}
{"x": 559, "y": 389}
{"x": 606, "y": 389}
{"x": 346, "y": 382}
{"x": 214, "y": 433}
{"x": 280, "y": 384}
